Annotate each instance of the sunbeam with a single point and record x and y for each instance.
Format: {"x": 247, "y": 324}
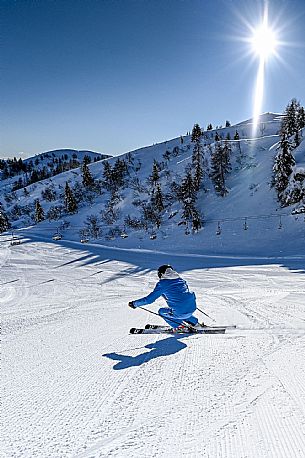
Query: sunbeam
{"x": 263, "y": 44}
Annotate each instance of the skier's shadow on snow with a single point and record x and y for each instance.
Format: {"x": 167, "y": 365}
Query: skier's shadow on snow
{"x": 165, "y": 347}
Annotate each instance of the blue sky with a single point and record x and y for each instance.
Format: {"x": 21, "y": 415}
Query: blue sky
{"x": 114, "y": 75}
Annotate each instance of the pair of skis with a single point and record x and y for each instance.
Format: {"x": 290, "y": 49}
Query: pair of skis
{"x": 160, "y": 329}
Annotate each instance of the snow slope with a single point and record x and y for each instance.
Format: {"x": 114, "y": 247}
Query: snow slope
{"x": 76, "y": 384}
{"x": 251, "y": 202}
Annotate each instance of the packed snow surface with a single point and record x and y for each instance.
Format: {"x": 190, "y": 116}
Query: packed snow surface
{"x": 77, "y": 384}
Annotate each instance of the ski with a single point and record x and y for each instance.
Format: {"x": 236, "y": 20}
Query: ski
{"x": 162, "y": 326}
{"x": 168, "y": 330}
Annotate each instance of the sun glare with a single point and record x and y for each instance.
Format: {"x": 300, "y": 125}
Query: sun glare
{"x": 264, "y": 41}
{"x": 263, "y": 44}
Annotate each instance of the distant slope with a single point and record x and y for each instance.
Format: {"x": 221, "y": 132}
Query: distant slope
{"x": 249, "y": 220}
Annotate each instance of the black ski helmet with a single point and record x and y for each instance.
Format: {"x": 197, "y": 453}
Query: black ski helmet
{"x": 162, "y": 269}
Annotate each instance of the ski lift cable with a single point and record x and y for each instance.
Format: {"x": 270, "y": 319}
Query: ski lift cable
{"x": 220, "y": 220}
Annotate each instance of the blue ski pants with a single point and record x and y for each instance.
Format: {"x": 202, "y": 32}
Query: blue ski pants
{"x": 174, "y": 319}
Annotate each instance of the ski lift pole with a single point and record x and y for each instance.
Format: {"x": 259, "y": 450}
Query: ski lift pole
{"x": 205, "y": 314}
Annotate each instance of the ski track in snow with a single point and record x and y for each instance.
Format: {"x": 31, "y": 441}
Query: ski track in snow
{"x": 76, "y": 384}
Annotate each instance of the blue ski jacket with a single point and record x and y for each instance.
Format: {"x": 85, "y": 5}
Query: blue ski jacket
{"x": 175, "y": 292}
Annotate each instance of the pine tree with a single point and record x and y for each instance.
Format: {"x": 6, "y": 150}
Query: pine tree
{"x": 197, "y": 157}
{"x": 301, "y": 118}
{"x": 157, "y": 199}
{"x": 197, "y": 162}
{"x": 39, "y": 212}
{"x": 289, "y": 124}
{"x": 119, "y": 172}
{"x": 210, "y": 127}
{"x": 236, "y": 135}
{"x": 107, "y": 175}
{"x": 228, "y": 124}
{"x": 155, "y": 177}
{"x": 187, "y": 189}
{"x": 187, "y": 195}
{"x": 70, "y": 201}
{"x": 220, "y": 167}
{"x": 4, "y": 222}
{"x": 297, "y": 139}
{"x": 282, "y": 168}
{"x": 196, "y": 133}
{"x": 88, "y": 180}
{"x": 217, "y": 138}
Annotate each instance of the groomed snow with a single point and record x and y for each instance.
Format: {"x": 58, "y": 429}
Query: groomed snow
{"x": 76, "y": 384}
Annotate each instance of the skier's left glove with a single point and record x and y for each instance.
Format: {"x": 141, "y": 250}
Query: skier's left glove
{"x": 131, "y": 304}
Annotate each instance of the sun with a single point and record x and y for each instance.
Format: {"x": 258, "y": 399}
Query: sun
{"x": 264, "y": 41}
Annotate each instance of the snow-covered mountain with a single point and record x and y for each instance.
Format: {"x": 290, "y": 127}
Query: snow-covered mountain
{"x": 16, "y": 173}
{"x": 247, "y": 220}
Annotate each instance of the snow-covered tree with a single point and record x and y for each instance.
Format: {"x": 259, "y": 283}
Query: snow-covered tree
{"x": 197, "y": 157}
{"x": 155, "y": 174}
{"x": 4, "y": 222}
{"x": 39, "y": 212}
{"x": 293, "y": 119}
{"x": 92, "y": 224}
{"x": 69, "y": 199}
{"x": 119, "y": 173}
{"x": 301, "y": 118}
{"x": 107, "y": 175}
{"x": 55, "y": 212}
{"x": 87, "y": 178}
{"x": 151, "y": 216}
{"x": 187, "y": 195}
{"x": 220, "y": 167}
{"x": 196, "y": 133}
{"x": 282, "y": 168}
{"x": 157, "y": 199}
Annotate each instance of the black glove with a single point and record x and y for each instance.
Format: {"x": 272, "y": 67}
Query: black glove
{"x": 131, "y": 304}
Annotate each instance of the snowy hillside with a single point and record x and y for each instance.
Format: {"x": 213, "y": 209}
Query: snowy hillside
{"x": 76, "y": 384}
{"x": 16, "y": 173}
{"x": 248, "y": 219}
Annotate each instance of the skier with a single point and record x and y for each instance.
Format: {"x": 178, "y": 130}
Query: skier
{"x": 181, "y": 302}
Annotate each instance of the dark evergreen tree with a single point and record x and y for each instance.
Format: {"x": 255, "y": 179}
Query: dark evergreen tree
{"x": 155, "y": 176}
{"x": 228, "y": 124}
{"x": 87, "y": 179}
{"x": 301, "y": 118}
{"x": 87, "y": 159}
{"x": 119, "y": 173}
{"x": 297, "y": 139}
{"x": 196, "y": 133}
{"x": 197, "y": 157}
{"x": 210, "y": 127}
{"x": 69, "y": 200}
{"x": 93, "y": 226}
{"x": 220, "y": 167}
{"x": 282, "y": 168}
{"x": 39, "y": 212}
{"x": 217, "y": 137}
{"x": 197, "y": 160}
{"x": 157, "y": 199}
{"x": 107, "y": 175}
{"x": 290, "y": 123}
{"x": 236, "y": 135}
{"x": 187, "y": 189}
{"x": 4, "y": 222}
